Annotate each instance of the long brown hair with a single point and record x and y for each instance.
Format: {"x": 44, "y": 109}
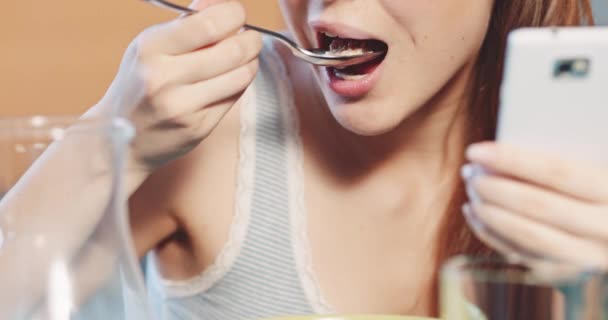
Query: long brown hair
{"x": 482, "y": 109}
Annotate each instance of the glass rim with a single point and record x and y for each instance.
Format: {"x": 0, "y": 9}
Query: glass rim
{"x": 40, "y": 123}
{"x": 460, "y": 265}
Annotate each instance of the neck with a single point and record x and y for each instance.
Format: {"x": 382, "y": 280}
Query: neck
{"x": 428, "y": 144}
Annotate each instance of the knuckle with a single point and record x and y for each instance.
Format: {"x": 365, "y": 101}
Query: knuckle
{"x": 134, "y": 48}
{"x": 145, "y": 62}
{"x": 156, "y": 75}
{"x": 209, "y": 28}
{"x": 253, "y": 43}
{"x": 154, "y": 83}
{"x": 258, "y": 43}
{"x": 222, "y": 18}
{"x": 252, "y": 70}
{"x": 141, "y": 45}
{"x": 241, "y": 77}
{"x": 236, "y": 10}
{"x": 244, "y": 47}
{"x": 164, "y": 106}
{"x": 246, "y": 74}
{"x": 238, "y": 50}
{"x": 145, "y": 39}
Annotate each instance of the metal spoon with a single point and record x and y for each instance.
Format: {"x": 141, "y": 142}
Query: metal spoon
{"x": 314, "y": 56}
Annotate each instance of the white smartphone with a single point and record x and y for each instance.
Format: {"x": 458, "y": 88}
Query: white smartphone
{"x": 554, "y": 95}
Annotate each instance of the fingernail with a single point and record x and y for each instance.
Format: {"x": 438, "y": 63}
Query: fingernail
{"x": 471, "y": 192}
{"x": 471, "y": 171}
{"x": 469, "y": 215}
{"x": 480, "y": 153}
{"x": 467, "y": 172}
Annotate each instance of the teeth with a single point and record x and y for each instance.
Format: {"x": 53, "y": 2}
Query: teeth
{"x": 330, "y": 35}
{"x": 345, "y": 50}
{"x": 352, "y": 52}
{"x": 348, "y": 47}
{"x": 350, "y": 77}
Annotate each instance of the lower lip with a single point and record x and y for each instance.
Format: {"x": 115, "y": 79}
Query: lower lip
{"x": 354, "y": 88}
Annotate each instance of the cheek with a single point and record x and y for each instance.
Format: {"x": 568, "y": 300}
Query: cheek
{"x": 454, "y": 34}
{"x": 443, "y": 19}
{"x": 437, "y": 38}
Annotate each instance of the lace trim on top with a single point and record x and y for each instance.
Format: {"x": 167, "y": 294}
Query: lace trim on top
{"x": 238, "y": 230}
{"x": 297, "y": 206}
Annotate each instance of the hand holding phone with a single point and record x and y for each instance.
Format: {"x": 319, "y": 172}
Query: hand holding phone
{"x": 542, "y": 195}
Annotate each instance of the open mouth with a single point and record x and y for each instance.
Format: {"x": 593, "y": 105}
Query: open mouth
{"x": 346, "y": 46}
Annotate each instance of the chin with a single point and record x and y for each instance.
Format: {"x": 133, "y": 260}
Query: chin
{"x": 366, "y": 118}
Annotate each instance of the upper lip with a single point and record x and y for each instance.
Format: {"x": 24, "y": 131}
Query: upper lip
{"x": 341, "y": 30}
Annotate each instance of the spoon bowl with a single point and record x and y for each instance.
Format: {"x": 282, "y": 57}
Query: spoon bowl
{"x": 319, "y": 57}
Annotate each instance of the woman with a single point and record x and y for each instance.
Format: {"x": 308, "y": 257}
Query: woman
{"x": 337, "y": 191}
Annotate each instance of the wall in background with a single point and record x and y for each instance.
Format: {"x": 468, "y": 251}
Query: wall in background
{"x": 601, "y": 11}
{"x": 59, "y": 56}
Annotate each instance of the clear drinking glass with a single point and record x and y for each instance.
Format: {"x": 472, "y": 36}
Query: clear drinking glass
{"x": 495, "y": 289}
{"x": 65, "y": 245}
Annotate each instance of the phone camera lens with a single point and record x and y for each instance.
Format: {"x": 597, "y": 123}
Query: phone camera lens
{"x": 577, "y": 68}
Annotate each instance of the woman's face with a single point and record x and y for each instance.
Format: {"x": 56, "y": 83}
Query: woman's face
{"x": 430, "y": 43}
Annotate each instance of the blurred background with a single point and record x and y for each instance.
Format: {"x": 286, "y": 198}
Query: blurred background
{"x": 59, "y": 56}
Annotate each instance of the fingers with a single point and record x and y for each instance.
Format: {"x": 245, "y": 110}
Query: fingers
{"x": 576, "y": 179}
{"x": 540, "y": 239}
{"x": 486, "y": 236}
{"x": 534, "y": 205}
{"x": 195, "y": 31}
{"x": 190, "y": 98}
{"x": 544, "y": 206}
{"x": 222, "y": 87}
{"x": 235, "y": 51}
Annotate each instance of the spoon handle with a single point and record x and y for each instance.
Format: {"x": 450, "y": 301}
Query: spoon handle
{"x": 316, "y": 57}
{"x": 189, "y": 11}
{"x": 274, "y": 34}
